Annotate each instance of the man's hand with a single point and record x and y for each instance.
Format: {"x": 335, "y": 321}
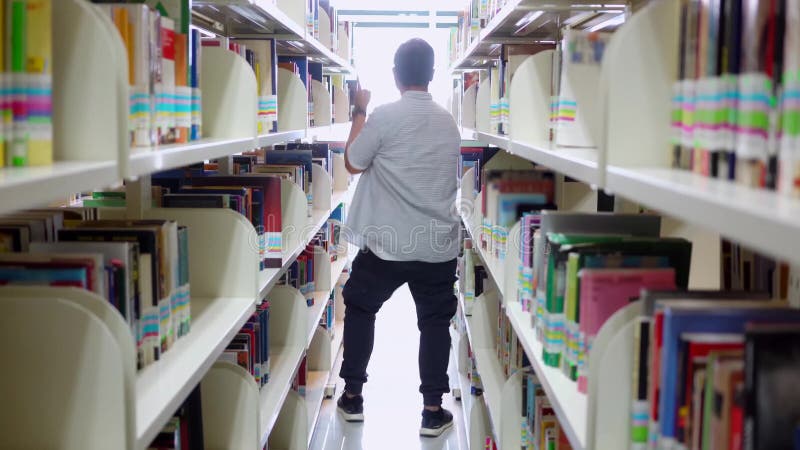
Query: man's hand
{"x": 361, "y": 100}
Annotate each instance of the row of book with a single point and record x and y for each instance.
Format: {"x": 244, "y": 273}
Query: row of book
{"x": 574, "y": 64}
{"x": 256, "y": 192}
{"x": 541, "y": 429}
{"x": 26, "y": 60}
{"x": 471, "y": 21}
{"x": 736, "y": 114}
{"x": 140, "y": 266}
{"x": 163, "y": 70}
{"x": 249, "y": 348}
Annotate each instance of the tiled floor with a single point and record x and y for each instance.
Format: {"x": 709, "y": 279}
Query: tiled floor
{"x": 392, "y": 403}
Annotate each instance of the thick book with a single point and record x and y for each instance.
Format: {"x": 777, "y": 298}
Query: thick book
{"x": 772, "y": 400}
{"x": 702, "y": 317}
{"x": 271, "y": 227}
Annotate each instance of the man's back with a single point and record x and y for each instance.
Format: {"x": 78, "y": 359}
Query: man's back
{"x": 403, "y": 209}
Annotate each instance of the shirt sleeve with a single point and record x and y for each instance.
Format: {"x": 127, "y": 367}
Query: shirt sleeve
{"x": 364, "y": 148}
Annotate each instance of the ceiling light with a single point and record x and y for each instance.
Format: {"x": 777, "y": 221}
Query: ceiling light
{"x": 612, "y": 22}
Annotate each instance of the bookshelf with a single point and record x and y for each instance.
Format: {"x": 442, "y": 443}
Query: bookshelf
{"x": 226, "y": 285}
{"x": 570, "y": 405}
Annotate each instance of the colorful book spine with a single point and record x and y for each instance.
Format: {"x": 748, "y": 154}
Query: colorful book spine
{"x": 39, "y": 85}
{"x": 17, "y": 152}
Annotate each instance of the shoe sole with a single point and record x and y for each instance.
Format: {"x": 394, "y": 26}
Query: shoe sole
{"x": 350, "y": 417}
{"x": 435, "y": 432}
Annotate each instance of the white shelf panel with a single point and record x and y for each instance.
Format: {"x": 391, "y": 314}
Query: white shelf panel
{"x": 467, "y": 399}
{"x": 163, "y": 386}
{"x": 577, "y": 163}
{"x": 338, "y": 132}
{"x": 266, "y": 140}
{"x": 492, "y": 380}
{"x": 315, "y": 393}
{"x": 180, "y": 155}
{"x": 493, "y": 139}
{"x": 283, "y": 366}
{"x": 569, "y": 404}
{"x": 338, "y": 337}
{"x": 764, "y": 220}
{"x": 36, "y": 186}
{"x": 321, "y": 300}
{"x": 145, "y": 162}
{"x": 468, "y": 134}
{"x": 268, "y": 278}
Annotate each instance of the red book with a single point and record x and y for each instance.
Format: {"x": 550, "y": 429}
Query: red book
{"x": 272, "y": 226}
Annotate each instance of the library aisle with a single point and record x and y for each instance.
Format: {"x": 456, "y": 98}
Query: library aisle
{"x": 392, "y": 403}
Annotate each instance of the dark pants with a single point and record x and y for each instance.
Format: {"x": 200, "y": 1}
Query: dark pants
{"x": 372, "y": 282}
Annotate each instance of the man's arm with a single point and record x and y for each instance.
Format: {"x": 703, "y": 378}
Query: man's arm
{"x": 359, "y": 118}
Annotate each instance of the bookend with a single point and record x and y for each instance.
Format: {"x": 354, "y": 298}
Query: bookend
{"x": 230, "y": 95}
{"x": 230, "y": 407}
{"x": 89, "y": 57}
{"x": 292, "y": 100}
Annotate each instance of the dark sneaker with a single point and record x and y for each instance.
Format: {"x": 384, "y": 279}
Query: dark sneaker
{"x": 434, "y": 423}
{"x": 352, "y": 409}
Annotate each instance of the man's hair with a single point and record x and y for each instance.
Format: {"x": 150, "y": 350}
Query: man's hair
{"x": 413, "y": 63}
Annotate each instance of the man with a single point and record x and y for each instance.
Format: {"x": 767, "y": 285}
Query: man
{"x": 402, "y": 218}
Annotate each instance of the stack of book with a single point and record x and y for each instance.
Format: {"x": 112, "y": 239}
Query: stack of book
{"x": 328, "y": 318}
{"x": 715, "y": 370}
{"x": 141, "y": 267}
{"x": 256, "y": 195}
{"x": 473, "y": 279}
{"x": 184, "y": 431}
{"x": 300, "y": 274}
{"x": 582, "y": 268}
{"x": 26, "y": 113}
{"x": 509, "y": 349}
{"x": 507, "y": 194}
{"x": 250, "y": 347}
{"x": 474, "y": 158}
{"x": 735, "y": 108}
{"x": 164, "y": 68}
{"x": 540, "y": 426}
{"x": 300, "y": 381}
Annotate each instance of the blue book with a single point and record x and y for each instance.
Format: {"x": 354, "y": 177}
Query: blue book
{"x": 44, "y": 276}
{"x": 683, "y": 318}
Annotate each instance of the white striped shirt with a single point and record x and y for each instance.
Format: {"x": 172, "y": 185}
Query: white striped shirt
{"x": 404, "y": 205}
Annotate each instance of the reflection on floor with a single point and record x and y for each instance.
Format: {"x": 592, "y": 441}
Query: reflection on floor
{"x": 392, "y": 402}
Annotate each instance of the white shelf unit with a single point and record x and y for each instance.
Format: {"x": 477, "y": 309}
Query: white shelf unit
{"x": 337, "y": 132}
{"x": 286, "y": 360}
{"x": 90, "y": 155}
{"x": 260, "y": 18}
{"x": 569, "y": 404}
{"x": 163, "y": 386}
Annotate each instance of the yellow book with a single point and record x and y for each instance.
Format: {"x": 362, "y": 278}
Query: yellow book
{"x": 121, "y": 22}
{"x": 39, "y": 68}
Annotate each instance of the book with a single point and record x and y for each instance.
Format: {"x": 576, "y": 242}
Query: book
{"x": 39, "y": 81}
{"x": 605, "y": 291}
{"x": 695, "y": 316}
{"x": 772, "y": 360}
